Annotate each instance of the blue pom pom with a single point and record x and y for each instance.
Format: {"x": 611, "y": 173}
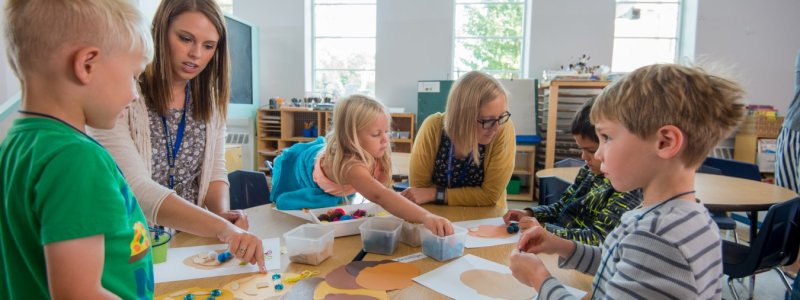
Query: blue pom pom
{"x": 279, "y": 286}
{"x": 346, "y": 217}
{"x": 216, "y": 292}
{"x": 224, "y": 256}
{"x": 211, "y": 298}
{"x": 188, "y": 297}
{"x": 276, "y": 276}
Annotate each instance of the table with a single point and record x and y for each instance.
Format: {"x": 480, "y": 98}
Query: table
{"x": 267, "y": 223}
{"x": 718, "y": 193}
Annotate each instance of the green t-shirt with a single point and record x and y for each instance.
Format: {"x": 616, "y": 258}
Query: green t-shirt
{"x": 57, "y": 185}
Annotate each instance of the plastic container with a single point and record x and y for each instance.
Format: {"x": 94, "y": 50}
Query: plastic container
{"x": 380, "y": 235}
{"x": 309, "y": 244}
{"x": 411, "y": 234}
{"x": 160, "y": 245}
{"x": 443, "y": 248}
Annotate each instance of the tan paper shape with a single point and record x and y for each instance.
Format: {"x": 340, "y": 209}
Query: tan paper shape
{"x": 490, "y": 231}
{"x": 497, "y": 285}
{"x": 341, "y": 279}
{"x": 390, "y": 276}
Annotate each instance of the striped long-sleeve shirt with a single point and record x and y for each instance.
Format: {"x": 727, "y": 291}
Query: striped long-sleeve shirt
{"x": 587, "y": 210}
{"x": 672, "y": 252}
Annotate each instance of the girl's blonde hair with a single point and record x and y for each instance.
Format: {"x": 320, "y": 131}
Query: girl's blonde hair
{"x": 211, "y": 88}
{"x": 343, "y": 150}
{"x": 468, "y": 94}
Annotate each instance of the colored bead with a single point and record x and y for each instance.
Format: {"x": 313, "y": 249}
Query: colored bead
{"x": 512, "y": 228}
{"x": 346, "y": 217}
{"x": 279, "y": 286}
{"x": 211, "y": 298}
{"x": 188, "y": 297}
{"x": 224, "y": 256}
{"x": 339, "y": 210}
{"x": 276, "y": 276}
{"x": 324, "y": 217}
{"x": 216, "y": 292}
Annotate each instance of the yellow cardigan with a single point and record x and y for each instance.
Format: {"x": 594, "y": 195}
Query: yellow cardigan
{"x": 498, "y": 164}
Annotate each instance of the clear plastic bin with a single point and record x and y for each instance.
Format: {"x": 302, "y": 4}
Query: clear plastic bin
{"x": 380, "y": 235}
{"x": 443, "y": 248}
{"x": 309, "y": 244}
{"x": 411, "y": 234}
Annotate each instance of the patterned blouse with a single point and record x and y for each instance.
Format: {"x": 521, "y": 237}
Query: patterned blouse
{"x": 588, "y": 210}
{"x": 464, "y": 171}
{"x": 190, "y": 155}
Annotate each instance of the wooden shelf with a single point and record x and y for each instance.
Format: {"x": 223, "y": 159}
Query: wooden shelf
{"x": 274, "y": 137}
{"x": 525, "y": 161}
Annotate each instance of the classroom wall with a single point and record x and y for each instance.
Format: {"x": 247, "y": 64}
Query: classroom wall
{"x": 282, "y": 36}
{"x": 415, "y": 44}
{"x": 9, "y": 85}
{"x": 758, "y": 41}
{"x": 561, "y": 31}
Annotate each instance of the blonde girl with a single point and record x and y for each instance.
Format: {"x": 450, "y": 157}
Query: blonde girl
{"x": 356, "y": 157}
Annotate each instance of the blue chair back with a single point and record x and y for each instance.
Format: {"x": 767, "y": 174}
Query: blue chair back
{"x": 734, "y": 168}
{"x": 570, "y": 162}
{"x": 775, "y": 245}
{"x": 550, "y": 189}
{"x": 248, "y": 189}
{"x": 709, "y": 170}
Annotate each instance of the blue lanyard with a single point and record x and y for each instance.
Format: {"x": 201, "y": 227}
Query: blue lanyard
{"x": 450, "y": 167}
{"x": 173, "y": 148}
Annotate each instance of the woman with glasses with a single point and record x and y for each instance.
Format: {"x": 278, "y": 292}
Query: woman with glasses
{"x": 465, "y": 156}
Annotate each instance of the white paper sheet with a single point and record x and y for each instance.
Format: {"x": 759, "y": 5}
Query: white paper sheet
{"x": 174, "y": 269}
{"x": 478, "y": 242}
{"x": 447, "y": 279}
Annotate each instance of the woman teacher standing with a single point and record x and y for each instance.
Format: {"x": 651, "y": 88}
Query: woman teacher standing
{"x": 465, "y": 156}
{"x": 170, "y": 142}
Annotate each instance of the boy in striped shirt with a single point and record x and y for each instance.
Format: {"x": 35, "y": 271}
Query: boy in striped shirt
{"x": 656, "y": 126}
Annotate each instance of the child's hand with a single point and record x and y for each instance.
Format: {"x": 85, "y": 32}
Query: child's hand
{"x": 526, "y": 223}
{"x": 528, "y": 269}
{"x": 537, "y": 240}
{"x": 237, "y": 217}
{"x": 419, "y": 195}
{"x": 515, "y": 215}
{"x": 438, "y": 225}
{"x": 244, "y": 245}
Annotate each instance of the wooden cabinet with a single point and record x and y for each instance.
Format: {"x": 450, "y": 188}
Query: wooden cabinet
{"x": 281, "y": 128}
{"x": 525, "y": 170}
{"x": 557, "y": 102}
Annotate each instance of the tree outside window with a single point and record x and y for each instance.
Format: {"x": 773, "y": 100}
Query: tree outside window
{"x": 489, "y": 37}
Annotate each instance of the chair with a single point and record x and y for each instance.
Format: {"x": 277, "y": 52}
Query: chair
{"x": 248, "y": 189}
{"x": 570, "y": 162}
{"x": 734, "y": 168}
{"x": 550, "y": 189}
{"x": 723, "y": 219}
{"x": 775, "y": 245}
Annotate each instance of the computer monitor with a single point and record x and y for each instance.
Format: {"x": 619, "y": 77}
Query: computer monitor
{"x": 243, "y": 52}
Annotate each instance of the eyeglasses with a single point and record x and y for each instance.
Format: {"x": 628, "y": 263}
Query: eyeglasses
{"x": 504, "y": 117}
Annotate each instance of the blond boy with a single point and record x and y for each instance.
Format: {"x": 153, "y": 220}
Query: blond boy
{"x": 69, "y": 225}
{"x": 656, "y": 125}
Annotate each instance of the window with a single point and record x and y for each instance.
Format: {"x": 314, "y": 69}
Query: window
{"x": 489, "y": 37}
{"x": 226, "y": 5}
{"x": 343, "y": 56}
{"x": 645, "y": 32}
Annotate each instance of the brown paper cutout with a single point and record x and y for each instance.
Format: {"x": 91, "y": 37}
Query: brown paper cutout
{"x": 496, "y": 285}
{"x": 390, "y": 276}
{"x": 341, "y": 279}
{"x": 490, "y": 231}
{"x": 356, "y": 266}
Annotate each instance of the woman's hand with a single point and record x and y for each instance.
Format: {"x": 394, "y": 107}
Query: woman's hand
{"x": 528, "y": 269}
{"x": 237, "y": 217}
{"x": 438, "y": 225}
{"x": 516, "y": 215}
{"x": 420, "y": 195}
{"x": 244, "y": 245}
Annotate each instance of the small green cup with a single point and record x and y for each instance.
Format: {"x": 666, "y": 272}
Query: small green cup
{"x": 160, "y": 244}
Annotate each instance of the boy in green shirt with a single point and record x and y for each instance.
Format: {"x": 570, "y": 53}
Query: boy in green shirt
{"x": 69, "y": 225}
